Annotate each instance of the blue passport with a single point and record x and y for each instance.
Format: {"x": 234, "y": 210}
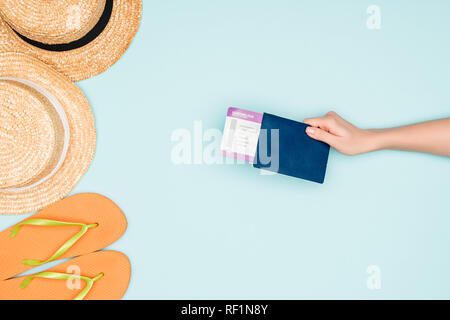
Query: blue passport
{"x": 285, "y": 148}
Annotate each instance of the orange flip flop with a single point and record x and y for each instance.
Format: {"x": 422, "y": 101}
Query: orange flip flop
{"x": 77, "y": 225}
{"x": 102, "y": 275}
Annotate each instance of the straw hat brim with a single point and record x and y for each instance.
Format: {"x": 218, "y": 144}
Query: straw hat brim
{"x": 82, "y": 134}
{"x": 94, "y": 57}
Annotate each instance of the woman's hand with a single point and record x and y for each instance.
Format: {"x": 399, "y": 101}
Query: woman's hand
{"x": 429, "y": 137}
{"x": 340, "y": 134}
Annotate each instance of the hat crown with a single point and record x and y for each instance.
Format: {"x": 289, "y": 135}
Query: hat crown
{"x": 31, "y": 135}
{"x": 52, "y": 21}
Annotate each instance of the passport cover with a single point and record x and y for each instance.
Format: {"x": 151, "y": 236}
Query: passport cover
{"x": 298, "y": 155}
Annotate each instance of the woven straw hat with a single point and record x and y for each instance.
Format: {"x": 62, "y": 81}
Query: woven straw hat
{"x": 47, "y": 134}
{"x": 78, "y": 38}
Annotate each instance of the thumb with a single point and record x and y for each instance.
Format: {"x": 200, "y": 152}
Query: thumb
{"x": 322, "y": 135}
{"x": 321, "y": 122}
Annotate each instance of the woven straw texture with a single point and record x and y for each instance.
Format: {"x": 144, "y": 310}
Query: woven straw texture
{"x": 31, "y": 135}
{"x": 52, "y": 22}
{"x": 91, "y": 59}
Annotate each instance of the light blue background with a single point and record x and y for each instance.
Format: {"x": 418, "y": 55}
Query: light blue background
{"x": 224, "y": 231}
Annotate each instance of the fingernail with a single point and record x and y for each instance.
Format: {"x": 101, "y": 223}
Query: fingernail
{"x": 310, "y": 130}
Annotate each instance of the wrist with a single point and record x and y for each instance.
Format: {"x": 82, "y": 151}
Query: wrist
{"x": 377, "y": 139}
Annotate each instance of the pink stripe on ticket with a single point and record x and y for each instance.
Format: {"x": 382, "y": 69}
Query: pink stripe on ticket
{"x": 245, "y": 115}
{"x": 238, "y": 156}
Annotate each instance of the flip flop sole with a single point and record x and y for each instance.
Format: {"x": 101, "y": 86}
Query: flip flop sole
{"x": 113, "y": 284}
{"x": 41, "y": 242}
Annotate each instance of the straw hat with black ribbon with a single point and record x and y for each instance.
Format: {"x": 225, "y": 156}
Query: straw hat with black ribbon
{"x": 47, "y": 134}
{"x": 78, "y": 38}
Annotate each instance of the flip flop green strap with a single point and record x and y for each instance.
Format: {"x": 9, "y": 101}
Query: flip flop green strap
{"x": 63, "y": 249}
{"x": 64, "y": 276}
